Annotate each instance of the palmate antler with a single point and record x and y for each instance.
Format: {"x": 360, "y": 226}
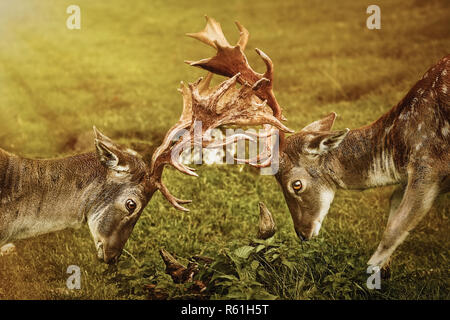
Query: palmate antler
{"x": 230, "y": 61}
{"x": 204, "y": 109}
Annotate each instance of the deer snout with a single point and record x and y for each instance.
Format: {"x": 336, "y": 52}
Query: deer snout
{"x": 107, "y": 256}
{"x": 113, "y": 259}
{"x": 301, "y": 236}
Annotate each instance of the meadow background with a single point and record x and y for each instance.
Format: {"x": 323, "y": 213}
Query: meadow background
{"x": 121, "y": 71}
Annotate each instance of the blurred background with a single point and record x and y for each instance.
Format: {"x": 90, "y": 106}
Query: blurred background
{"x": 120, "y": 71}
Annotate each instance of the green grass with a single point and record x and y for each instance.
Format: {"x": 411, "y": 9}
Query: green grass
{"x": 120, "y": 72}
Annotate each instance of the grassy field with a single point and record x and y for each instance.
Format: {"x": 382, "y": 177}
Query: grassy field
{"x": 121, "y": 71}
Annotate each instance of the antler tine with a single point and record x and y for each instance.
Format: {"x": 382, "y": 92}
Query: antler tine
{"x": 203, "y": 85}
{"x": 223, "y": 88}
{"x": 182, "y": 124}
{"x": 156, "y": 176}
{"x": 186, "y": 114}
{"x": 175, "y": 154}
{"x": 266, "y": 118}
{"x": 168, "y": 139}
{"x": 212, "y": 34}
{"x": 173, "y": 200}
{"x": 155, "y": 179}
{"x": 217, "y": 94}
{"x": 268, "y": 62}
{"x": 244, "y": 35}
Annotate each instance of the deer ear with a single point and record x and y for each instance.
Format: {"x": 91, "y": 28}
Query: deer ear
{"x": 324, "y": 124}
{"x": 106, "y": 156}
{"x": 108, "y": 153}
{"x": 326, "y": 142}
{"x": 100, "y": 136}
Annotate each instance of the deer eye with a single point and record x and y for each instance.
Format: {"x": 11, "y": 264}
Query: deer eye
{"x": 130, "y": 205}
{"x": 297, "y": 186}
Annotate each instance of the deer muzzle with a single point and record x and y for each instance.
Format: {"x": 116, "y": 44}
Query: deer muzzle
{"x": 107, "y": 256}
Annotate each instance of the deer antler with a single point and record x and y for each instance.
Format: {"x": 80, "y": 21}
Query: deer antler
{"x": 204, "y": 109}
{"x": 231, "y": 61}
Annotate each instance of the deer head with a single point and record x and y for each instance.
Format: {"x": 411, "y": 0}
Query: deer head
{"x": 308, "y": 191}
{"x": 123, "y": 197}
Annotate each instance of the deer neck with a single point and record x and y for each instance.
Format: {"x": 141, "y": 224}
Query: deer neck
{"x": 41, "y": 196}
{"x": 367, "y": 157}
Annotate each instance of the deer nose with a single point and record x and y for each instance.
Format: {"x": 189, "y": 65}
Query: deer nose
{"x": 112, "y": 259}
{"x": 301, "y": 236}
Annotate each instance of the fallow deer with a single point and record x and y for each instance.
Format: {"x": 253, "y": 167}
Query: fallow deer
{"x": 408, "y": 146}
{"x": 110, "y": 188}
